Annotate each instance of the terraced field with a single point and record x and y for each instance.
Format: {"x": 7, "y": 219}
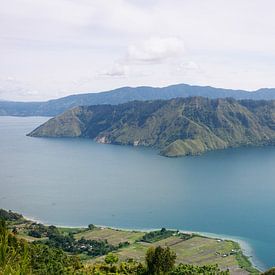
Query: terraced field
{"x": 197, "y": 250}
{"x": 190, "y": 249}
{"x": 113, "y": 236}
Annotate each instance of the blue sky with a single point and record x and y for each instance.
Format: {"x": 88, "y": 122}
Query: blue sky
{"x": 52, "y": 48}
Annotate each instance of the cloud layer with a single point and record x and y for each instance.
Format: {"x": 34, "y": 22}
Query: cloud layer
{"x": 51, "y": 48}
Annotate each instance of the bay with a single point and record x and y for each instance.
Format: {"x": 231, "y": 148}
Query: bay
{"x": 77, "y": 182}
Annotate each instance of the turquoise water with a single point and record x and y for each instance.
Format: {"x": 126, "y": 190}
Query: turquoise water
{"x": 77, "y": 182}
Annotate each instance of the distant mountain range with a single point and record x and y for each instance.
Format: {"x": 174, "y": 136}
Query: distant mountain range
{"x": 177, "y": 127}
{"x": 126, "y": 94}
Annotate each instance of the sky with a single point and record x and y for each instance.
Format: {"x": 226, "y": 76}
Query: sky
{"x": 53, "y": 48}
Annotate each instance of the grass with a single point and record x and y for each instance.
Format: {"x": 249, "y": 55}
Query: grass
{"x": 113, "y": 236}
{"x": 197, "y": 250}
{"x": 73, "y": 230}
{"x": 23, "y": 235}
{"x": 244, "y": 262}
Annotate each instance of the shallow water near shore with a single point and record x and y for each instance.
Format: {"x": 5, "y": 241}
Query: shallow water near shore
{"x": 77, "y": 181}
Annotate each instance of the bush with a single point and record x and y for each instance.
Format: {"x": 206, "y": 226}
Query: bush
{"x": 35, "y": 234}
{"x": 19, "y": 257}
{"x": 183, "y": 269}
{"x": 9, "y": 215}
{"x": 160, "y": 260}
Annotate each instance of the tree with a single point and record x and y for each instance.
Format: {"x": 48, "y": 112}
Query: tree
{"x": 163, "y": 230}
{"x": 160, "y": 260}
{"x": 183, "y": 269}
{"x": 111, "y": 258}
{"x": 91, "y": 227}
{"x": 14, "y": 230}
{"x": 270, "y": 271}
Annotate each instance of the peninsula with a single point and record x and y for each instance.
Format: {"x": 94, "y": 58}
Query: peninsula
{"x": 176, "y": 127}
{"x": 41, "y": 249}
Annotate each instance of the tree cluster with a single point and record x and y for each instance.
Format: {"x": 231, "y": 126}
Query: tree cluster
{"x": 20, "y": 257}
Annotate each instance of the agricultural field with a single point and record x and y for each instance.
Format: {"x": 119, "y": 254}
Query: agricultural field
{"x": 113, "y": 236}
{"x": 197, "y": 250}
{"x": 93, "y": 243}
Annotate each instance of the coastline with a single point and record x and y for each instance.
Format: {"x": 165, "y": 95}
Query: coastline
{"x": 244, "y": 245}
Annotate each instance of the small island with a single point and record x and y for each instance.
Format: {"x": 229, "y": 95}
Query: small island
{"x": 104, "y": 250}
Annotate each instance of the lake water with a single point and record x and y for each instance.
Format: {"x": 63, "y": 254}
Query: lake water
{"x": 77, "y": 181}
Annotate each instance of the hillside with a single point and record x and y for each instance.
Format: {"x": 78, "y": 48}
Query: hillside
{"x": 126, "y": 94}
{"x": 177, "y": 127}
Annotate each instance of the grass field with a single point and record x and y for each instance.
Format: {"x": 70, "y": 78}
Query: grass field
{"x": 198, "y": 250}
{"x": 113, "y": 236}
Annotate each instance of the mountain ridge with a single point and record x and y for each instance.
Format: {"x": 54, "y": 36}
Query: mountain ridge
{"x": 125, "y": 94}
{"x": 176, "y": 127}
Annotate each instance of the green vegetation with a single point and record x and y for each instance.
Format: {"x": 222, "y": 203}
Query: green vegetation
{"x": 177, "y": 127}
{"x": 111, "y": 259}
{"x": 246, "y": 264}
{"x": 270, "y": 271}
{"x": 155, "y": 236}
{"x": 10, "y": 216}
{"x": 91, "y": 247}
{"x": 113, "y": 236}
{"x": 94, "y": 250}
{"x": 183, "y": 269}
{"x": 160, "y": 260}
{"x": 20, "y": 257}
{"x": 38, "y": 230}
{"x": 196, "y": 250}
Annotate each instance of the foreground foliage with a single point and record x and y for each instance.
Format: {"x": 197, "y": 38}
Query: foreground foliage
{"x": 183, "y": 269}
{"x": 19, "y": 257}
{"x": 270, "y": 271}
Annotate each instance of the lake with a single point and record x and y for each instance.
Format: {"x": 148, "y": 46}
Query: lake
{"x": 77, "y": 182}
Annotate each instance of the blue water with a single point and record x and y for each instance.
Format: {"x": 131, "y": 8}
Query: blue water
{"x": 77, "y": 182}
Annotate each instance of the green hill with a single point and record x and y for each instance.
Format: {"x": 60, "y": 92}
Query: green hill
{"x": 177, "y": 127}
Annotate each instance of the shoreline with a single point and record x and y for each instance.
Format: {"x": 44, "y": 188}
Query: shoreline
{"x": 245, "y": 247}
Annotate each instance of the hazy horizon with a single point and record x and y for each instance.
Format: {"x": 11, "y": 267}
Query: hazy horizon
{"x": 121, "y": 87}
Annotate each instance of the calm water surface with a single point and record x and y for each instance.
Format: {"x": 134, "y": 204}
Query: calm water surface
{"x": 77, "y": 182}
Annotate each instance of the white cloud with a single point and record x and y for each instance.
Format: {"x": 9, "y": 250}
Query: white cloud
{"x": 139, "y": 58}
{"x": 117, "y": 70}
{"x": 48, "y": 43}
{"x": 189, "y": 66}
{"x": 156, "y": 50}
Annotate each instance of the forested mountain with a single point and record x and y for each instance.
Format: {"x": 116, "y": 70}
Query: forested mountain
{"x": 123, "y": 95}
{"x": 181, "y": 126}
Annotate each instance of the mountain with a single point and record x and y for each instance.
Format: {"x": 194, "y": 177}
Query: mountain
{"x": 126, "y": 94}
{"x": 177, "y": 127}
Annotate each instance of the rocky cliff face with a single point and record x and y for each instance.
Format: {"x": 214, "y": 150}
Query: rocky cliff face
{"x": 177, "y": 127}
